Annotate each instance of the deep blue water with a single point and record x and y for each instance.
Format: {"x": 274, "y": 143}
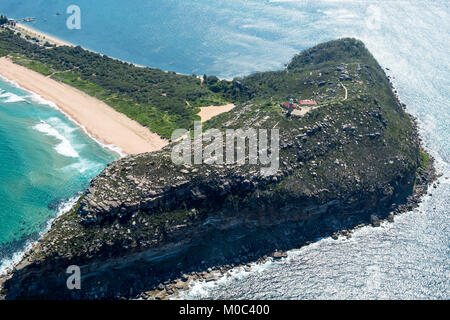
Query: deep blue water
{"x": 407, "y": 259}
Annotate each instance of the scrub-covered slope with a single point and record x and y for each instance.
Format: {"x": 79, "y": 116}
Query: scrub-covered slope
{"x": 353, "y": 158}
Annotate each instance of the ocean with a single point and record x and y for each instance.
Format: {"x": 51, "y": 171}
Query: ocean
{"x": 402, "y": 260}
{"x": 45, "y": 162}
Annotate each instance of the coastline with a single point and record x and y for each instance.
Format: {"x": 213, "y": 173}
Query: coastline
{"x": 41, "y": 35}
{"x": 181, "y": 287}
{"x": 121, "y": 148}
{"x": 8, "y": 264}
{"x": 114, "y": 128}
{"x": 20, "y": 27}
{"x": 345, "y": 229}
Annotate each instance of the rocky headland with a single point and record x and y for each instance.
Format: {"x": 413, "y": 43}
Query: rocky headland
{"x": 146, "y": 226}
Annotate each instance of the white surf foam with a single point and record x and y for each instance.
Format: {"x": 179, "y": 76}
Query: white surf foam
{"x": 36, "y": 98}
{"x": 84, "y": 165}
{"x": 7, "y": 264}
{"x": 64, "y": 148}
{"x": 109, "y": 147}
{"x": 201, "y": 289}
{"x": 10, "y": 97}
{"x": 11, "y": 82}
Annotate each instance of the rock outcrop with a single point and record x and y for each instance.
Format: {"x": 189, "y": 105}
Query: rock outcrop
{"x": 145, "y": 220}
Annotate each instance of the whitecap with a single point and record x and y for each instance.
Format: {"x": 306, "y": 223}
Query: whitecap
{"x": 64, "y": 148}
{"x": 34, "y": 97}
{"x": 60, "y": 125}
{"x": 8, "y": 264}
{"x": 83, "y": 166}
{"x": 10, "y": 97}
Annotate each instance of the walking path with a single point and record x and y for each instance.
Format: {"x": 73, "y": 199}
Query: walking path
{"x": 304, "y": 110}
{"x": 346, "y": 91}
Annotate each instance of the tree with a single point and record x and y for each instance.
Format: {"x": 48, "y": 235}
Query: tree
{"x": 3, "y": 20}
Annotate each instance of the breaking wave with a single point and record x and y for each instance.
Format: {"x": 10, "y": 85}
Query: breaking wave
{"x": 9, "y": 97}
{"x": 64, "y": 147}
{"x": 8, "y": 263}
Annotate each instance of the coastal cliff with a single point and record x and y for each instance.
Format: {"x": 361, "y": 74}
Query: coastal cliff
{"x": 354, "y": 159}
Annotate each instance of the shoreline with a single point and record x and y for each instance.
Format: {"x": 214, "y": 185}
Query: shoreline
{"x": 110, "y": 147}
{"x": 59, "y": 42}
{"x": 377, "y": 221}
{"x": 115, "y": 129}
{"x": 6, "y": 265}
{"x": 180, "y": 287}
{"x": 20, "y": 27}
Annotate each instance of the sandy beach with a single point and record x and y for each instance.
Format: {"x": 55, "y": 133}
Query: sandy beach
{"x": 207, "y": 113}
{"x": 40, "y": 35}
{"x": 100, "y": 120}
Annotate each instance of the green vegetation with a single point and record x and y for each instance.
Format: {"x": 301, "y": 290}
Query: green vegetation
{"x": 332, "y": 53}
{"x": 424, "y": 159}
{"x": 354, "y": 155}
{"x": 162, "y": 101}
{"x": 33, "y": 65}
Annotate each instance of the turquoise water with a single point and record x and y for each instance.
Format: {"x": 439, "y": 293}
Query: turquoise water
{"x": 407, "y": 259}
{"x": 45, "y": 160}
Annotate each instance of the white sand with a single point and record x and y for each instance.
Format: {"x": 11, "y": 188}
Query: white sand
{"x": 100, "y": 120}
{"x": 40, "y": 35}
{"x": 207, "y": 113}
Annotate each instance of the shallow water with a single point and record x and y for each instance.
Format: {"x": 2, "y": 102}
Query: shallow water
{"x": 45, "y": 160}
{"x": 407, "y": 259}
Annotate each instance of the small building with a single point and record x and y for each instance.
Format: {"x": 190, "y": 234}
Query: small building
{"x": 285, "y": 105}
{"x": 307, "y": 102}
{"x": 12, "y": 22}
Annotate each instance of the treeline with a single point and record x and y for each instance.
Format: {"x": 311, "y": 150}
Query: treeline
{"x": 346, "y": 50}
{"x": 163, "y": 101}
{"x": 294, "y": 80}
{"x": 3, "y": 20}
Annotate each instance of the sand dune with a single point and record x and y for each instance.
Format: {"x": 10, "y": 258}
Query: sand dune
{"x": 207, "y": 113}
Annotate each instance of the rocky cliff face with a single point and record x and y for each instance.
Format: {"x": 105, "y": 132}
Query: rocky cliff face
{"x": 144, "y": 219}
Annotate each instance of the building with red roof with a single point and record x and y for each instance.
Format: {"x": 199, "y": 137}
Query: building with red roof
{"x": 307, "y": 102}
{"x": 286, "y": 105}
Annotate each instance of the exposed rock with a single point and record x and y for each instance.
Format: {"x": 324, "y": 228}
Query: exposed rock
{"x": 279, "y": 254}
{"x": 375, "y": 221}
{"x": 139, "y": 225}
